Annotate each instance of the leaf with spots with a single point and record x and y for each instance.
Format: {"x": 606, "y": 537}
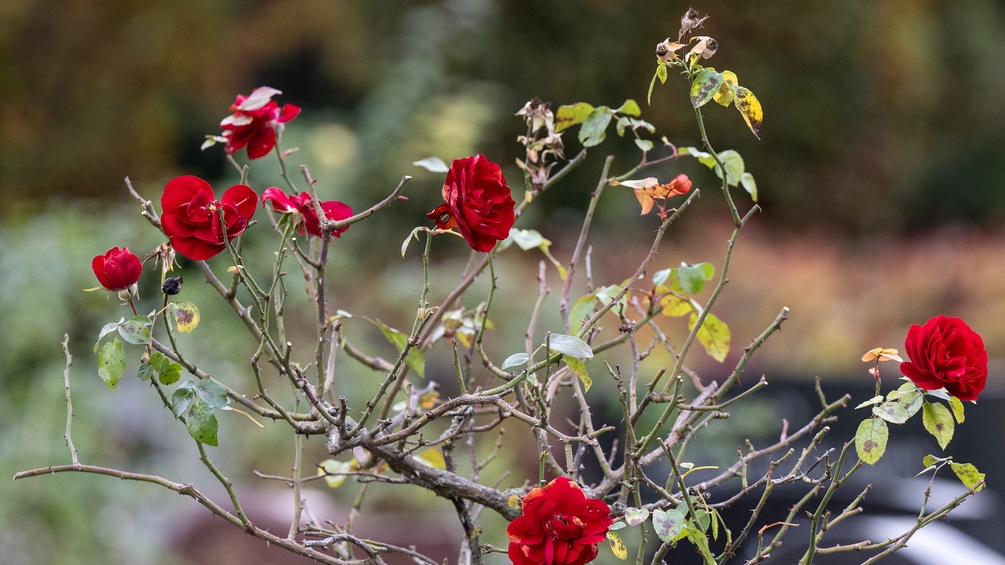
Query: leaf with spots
{"x": 938, "y": 421}
{"x": 871, "y": 439}
{"x": 185, "y": 315}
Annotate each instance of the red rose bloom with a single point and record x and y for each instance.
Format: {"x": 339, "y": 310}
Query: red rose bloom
{"x": 256, "y": 122}
{"x": 945, "y": 352}
{"x": 477, "y": 202}
{"x": 117, "y": 269}
{"x": 559, "y": 526}
{"x": 191, "y": 217}
{"x": 303, "y": 206}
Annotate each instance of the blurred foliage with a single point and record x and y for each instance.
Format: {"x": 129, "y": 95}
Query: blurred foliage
{"x": 878, "y": 115}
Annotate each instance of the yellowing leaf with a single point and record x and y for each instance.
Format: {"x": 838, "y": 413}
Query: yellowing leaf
{"x": 433, "y": 457}
{"x": 186, "y": 316}
{"x": 579, "y": 369}
{"x": 513, "y": 501}
{"x": 334, "y": 471}
{"x": 750, "y": 109}
{"x": 938, "y": 421}
{"x": 570, "y": 115}
{"x": 726, "y": 92}
{"x": 870, "y": 440}
{"x": 968, "y": 475}
{"x": 675, "y": 306}
{"x": 429, "y": 400}
{"x": 705, "y": 86}
{"x": 881, "y": 354}
{"x": 617, "y": 546}
{"x": 713, "y": 335}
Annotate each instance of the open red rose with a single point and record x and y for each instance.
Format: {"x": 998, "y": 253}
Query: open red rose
{"x": 191, "y": 215}
{"x": 477, "y": 202}
{"x": 945, "y": 352}
{"x": 302, "y": 205}
{"x": 256, "y": 122}
{"x": 559, "y": 526}
{"x": 117, "y": 269}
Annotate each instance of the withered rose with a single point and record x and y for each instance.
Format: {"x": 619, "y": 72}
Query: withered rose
{"x": 256, "y": 122}
{"x": 559, "y": 526}
{"x": 945, "y": 352}
{"x": 477, "y": 202}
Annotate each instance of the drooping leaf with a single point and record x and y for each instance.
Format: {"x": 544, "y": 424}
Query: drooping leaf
{"x": 872, "y": 401}
{"x": 727, "y": 91}
{"x": 668, "y": 524}
{"x": 182, "y": 398}
{"x": 594, "y": 128}
{"x": 211, "y": 393}
{"x": 629, "y": 108}
{"x": 432, "y": 164}
{"x": 699, "y": 540}
{"x": 956, "y": 405}
{"x": 433, "y": 457}
{"x": 968, "y": 475}
{"x": 579, "y": 369}
{"x": 570, "y": 115}
{"x": 938, "y": 421}
{"x": 734, "y": 166}
{"x": 750, "y": 109}
{"x": 713, "y": 335}
{"x": 705, "y": 86}
{"x": 202, "y": 424}
{"x": 870, "y": 440}
{"x": 644, "y": 144}
{"x": 514, "y": 360}
{"x": 747, "y": 181}
{"x": 414, "y": 358}
{"x": 617, "y": 546}
{"x": 529, "y": 239}
{"x": 185, "y": 314}
{"x": 570, "y": 345}
{"x": 111, "y": 363}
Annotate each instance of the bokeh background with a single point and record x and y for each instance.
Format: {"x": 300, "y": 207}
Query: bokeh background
{"x": 880, "y": 170}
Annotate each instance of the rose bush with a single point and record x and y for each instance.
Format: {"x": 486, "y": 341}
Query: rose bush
{"x": 477, "y": 201}
{"x": 945, "y": 352}
{"x": 302, "y": 207}
{"x": 117, "y": 269}
{"x": 191, "y": 215}
{"x": 559, "y": 526}
{"x": 256, "y": 122}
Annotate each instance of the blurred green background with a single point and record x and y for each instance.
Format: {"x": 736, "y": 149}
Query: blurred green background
{"x": 879, "y": 166}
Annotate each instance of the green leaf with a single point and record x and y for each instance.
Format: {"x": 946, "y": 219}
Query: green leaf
{"x": 747, "y": 180}
{"x": 527, "y": 239}
{"x": 212, "y": 394}
{"x": 570, "y": 345}
{"x": 713, "y": 335}
{"x": 579, "y": 369}
{"x": 432, "y": 164}
{"x": 514, "y": 360}
{"x": 415, "y": 235}
{"x": 661, "y": 73}
{"x": 185, "y": 314}
{"x": 660, "y": 277}
{"x": 968, "y": 475}
{"x": 182, "y": 398}
{"x": 629, "y": 108}
{"x": 692, "y": 277}
{"x": 594, "y": 128}
{"x": 956, "y": 405}
{"x": 581, "y": 311}
{"x": 705, "y": 86}
{"x": 145, "y": 372}
{"x": 668, "y": 524}
{"x": 617, "y": 546}
{"x": 750, "y": 109}
{"x": 414, "y": 359}
{"x": 202, "y": 424}
{"x": 734, "y": 166}
{"x": 874, "y": 400}
{"x": 698, "y": 539}
{"x": 892, "y": 411}
{"x": 570, "y": 115}
{"x": 644, "y": 144}
{"x": 111, "y": 363}
{"x": 930, "y": 460}
{"x": 170, "y": 374}
{"x": 871, "y": 439}
{"x": 105, "y": 330}
{"x": 635, "y": 516}
{"x": 135, "y": 331}
{"x": 938, "y": 421}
